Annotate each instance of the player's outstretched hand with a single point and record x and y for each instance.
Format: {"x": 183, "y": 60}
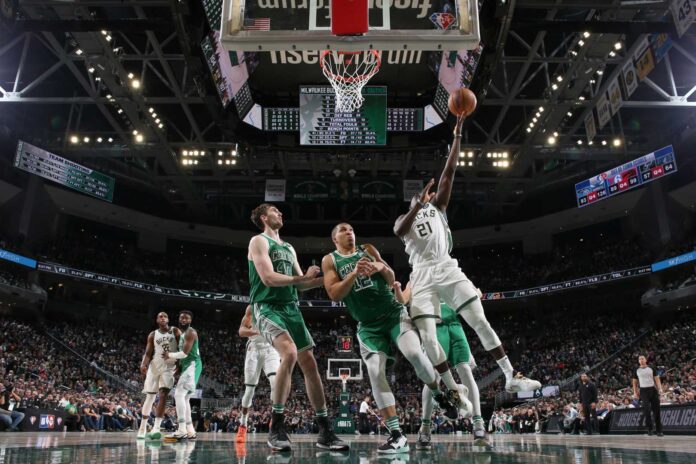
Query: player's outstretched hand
{"x": 426, "y": 195}
{"x": 312, "y": 271}
{"x": 396, "y": 285}
{"x": 458, "y": 126}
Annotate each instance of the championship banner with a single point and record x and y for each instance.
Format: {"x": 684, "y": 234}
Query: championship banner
{"x": 125, "y": 283}
{"x": 412, "y": 187}
{"x": 630, "y": 79}
{"x": 590, "y": 127}
{"x": 309, "y": 190}
{"x": 43, "y": 420}
{"x": 661, "y": 45}
{"x": 603, "y": 110}
{"x": 645, "y": 64}
{"x": 275, "y": 190}
{"x": 678, "y": 419}
{"x": 568, "y": 284}
{"x": 378, "y": 190}
{"x": 615, "y": 99}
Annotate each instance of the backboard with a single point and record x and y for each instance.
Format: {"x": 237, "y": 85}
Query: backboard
{"x": 301, "y": 25}
{"x": 338, "y": 366}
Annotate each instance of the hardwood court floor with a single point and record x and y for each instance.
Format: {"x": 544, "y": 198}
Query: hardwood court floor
{"x": 97, "y": 448}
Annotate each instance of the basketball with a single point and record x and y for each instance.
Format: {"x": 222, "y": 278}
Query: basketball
{"x": 462, "y": 101}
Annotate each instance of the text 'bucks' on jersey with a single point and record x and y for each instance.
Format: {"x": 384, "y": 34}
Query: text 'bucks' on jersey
{"x": 429, "y": 239}
{"x": 370, "y": 298}
{"x": 164, "y": 342}
{"x": 283, "y": 258}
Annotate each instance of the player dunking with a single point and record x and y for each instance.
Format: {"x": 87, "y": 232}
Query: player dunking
{"x": 274, "y": 277}
{"x": 436, "y": 276}
{"x": 191, "y": 367}
{"x": 159, "y": 375}
{"x": 358, "y": 276}
{"x": 259, "y": 355}
{"x": 452, "y": 339}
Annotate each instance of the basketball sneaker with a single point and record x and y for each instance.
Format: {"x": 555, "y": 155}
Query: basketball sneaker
{"x": 396, "y": 443}
{"x": 241, "y": 434}
{"x": 461, "y": 400}
{"x": 445, "y": 403}
{"x": 520, "y": 383}
{"x": 154, "y": 435}
{"x": 327, "y": 439}
{"x": 480, "y": 438}
{"x": 278, "y": 439}
{"x": 179, "y": 435}
{"x": 141, "y": 434}
{"x": 424, "y": 441}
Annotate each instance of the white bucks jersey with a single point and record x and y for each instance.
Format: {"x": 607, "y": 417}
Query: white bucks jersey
{"x": 164, "y": 342}
{"x": 429, "y": 239}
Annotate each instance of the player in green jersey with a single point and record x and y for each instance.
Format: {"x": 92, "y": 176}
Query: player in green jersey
{"x": 189, "y": 357}
{"x": 275, "y": 276}
{"x": 452, "y": 339}
{"x": 358, "y": 276}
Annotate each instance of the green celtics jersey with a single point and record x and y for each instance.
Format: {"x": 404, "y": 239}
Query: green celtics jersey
{"x": 193, "y": 356}
{"x": 370, "y": 299}
{"x": 449, "y": 317}
{"x": 283, "y": 259}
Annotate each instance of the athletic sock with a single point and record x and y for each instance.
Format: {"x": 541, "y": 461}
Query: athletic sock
{"x": 448, "y": 380}
{"x": 393, "y": 424}
{"x": 158, "y": 423}
{"x": 425, "y": 425}
{"x": 505, "y": 365}
{"x": 322, "y": 413}
{"x": 278, "y": 409}
{"x": 435, "y": 391}
{"x": 243, "y": 419}
{"x": 477, "y": 419}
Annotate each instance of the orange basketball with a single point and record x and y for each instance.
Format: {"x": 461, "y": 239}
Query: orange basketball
{"x": 462, "y": 101}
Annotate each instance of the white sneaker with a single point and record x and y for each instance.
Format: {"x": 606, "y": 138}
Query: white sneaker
{"x": 520, "y": 383}
{"x": 179, "y": 435}
{"x": 396, "y": 443}
{"x": 141, "y": 434}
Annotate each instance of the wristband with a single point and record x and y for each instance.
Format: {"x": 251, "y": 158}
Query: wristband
{"x": 420, "y": 203}
{"x": 177, "y": 355}
{"x": 458, "y": 135}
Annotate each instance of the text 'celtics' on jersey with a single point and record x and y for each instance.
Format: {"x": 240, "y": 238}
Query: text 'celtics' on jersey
{"x": 370, "y": 298}
{"x": 283, "y": 259}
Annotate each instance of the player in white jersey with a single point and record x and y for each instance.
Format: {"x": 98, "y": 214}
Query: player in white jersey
{"x": 436, "y": 276}
{"x": 259, "y": 355}
{"x": 159, "y": 376}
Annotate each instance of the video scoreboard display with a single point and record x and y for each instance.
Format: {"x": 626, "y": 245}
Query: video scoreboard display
{"x": 288, "y": 119}
{"x": 62, "y": 171}
{"x": 627, "y": 176}
{"x": 320, "y": 124}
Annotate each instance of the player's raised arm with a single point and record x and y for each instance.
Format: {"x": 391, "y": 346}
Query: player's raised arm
{"x": 336, "y": 288}
{"x": 258, "y": 253}
{"x": 444, "y": 187}
{"x": 403, "y": 223}
{"x": 246, "y": 329}
{"x": 149, "y": 350}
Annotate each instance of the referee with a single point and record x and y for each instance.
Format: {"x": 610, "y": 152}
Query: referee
{"x": 650, "y": 392}
{"x": 364, "y": 424}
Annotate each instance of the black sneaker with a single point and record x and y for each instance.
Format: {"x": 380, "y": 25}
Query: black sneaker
{"x": 660, "y": 434}
{"x": 327, "y": 439}
{"x": 396, "y": 443}
{"x": 278, "y": 439}
{"x": 424, "y": 441}
{"x": 651, "y": 433}
{"x": 445, "y": 403}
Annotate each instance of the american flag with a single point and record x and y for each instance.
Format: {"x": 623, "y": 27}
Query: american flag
{"x": 257, "y": 24}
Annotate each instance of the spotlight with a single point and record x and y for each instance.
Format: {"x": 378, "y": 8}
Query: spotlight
{"x": 569, "y": 113}
{"x": 471, "y": 163}
{"x": 139, "y": 138}
{"x": 495, "y": 164}
{"x": 86, "y": 139}
{"x": 529, "y": 129}
{"x": 462, "y": 154}
{"x": 555, "y": 134}
{"x": 157, "y": 121}
{"x": 99, "y": 140}
{"x": 617, "y": 142}
{"x": 554, "y": 86}
{"x": 130, "y": 75}
{"x": 90, "y": 69}
{"x": 161, "y": 126}
{"x": 220, "y": 153}
{"x": 78, "y": 51}
{"x": 581, "y": 42}
{"x": 604, "y": 143}
{"x": 110, "y": 140}
{"x": 219, "y": 161}
{"x": 228, "y": 162}
{"x": 154, "y": 115}
{"x": 586, "y": 34}
{"x": 617, "y": 46}
{"x": 581, "y": 98}
{"x": 552, "y": 140}
{"x": 151, "y": 109}
{"x": 108, "y": 38}
{"x": 579, "y": 142}
{"x": 600, "y": 72}
{"x": 559, "y": 78}
{"x": 135, "y": 83}
{"x": 104, "y": 32}
{"x": 505, "y": 154}
{"x": 541, "y": 109}
{"x": 135, "y": 132}
{"x": 234, "y": 162}
{"x": 119, "y": 111}
{"x": 612, "y": 54}
{"x": 470, "y": 154}
{"x": 74, "y": 139}
{"x": 185, "y": 153}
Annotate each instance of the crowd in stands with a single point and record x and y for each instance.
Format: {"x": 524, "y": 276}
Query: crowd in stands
{"x": 13, "y": 279}
{"x": 44, "y": 374}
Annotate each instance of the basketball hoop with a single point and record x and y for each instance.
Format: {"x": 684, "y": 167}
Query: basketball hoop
{"x": 348, "y": 72}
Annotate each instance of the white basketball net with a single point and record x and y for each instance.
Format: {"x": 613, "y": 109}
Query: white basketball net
{"x": 348, "y": 72}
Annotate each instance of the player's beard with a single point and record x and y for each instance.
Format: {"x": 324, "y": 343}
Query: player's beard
{"x": 184, "y": 327}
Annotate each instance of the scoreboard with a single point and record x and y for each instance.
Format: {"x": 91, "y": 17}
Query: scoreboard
{"x": 627, "y": 176}
{"x": 62, "y": 171}
{"x": 321, "y": 124}
{"x": 344, "y": 344}
{"x": 288, "y": 119}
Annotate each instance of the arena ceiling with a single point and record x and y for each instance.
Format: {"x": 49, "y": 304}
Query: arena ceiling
{"x": 67, "y": 70}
